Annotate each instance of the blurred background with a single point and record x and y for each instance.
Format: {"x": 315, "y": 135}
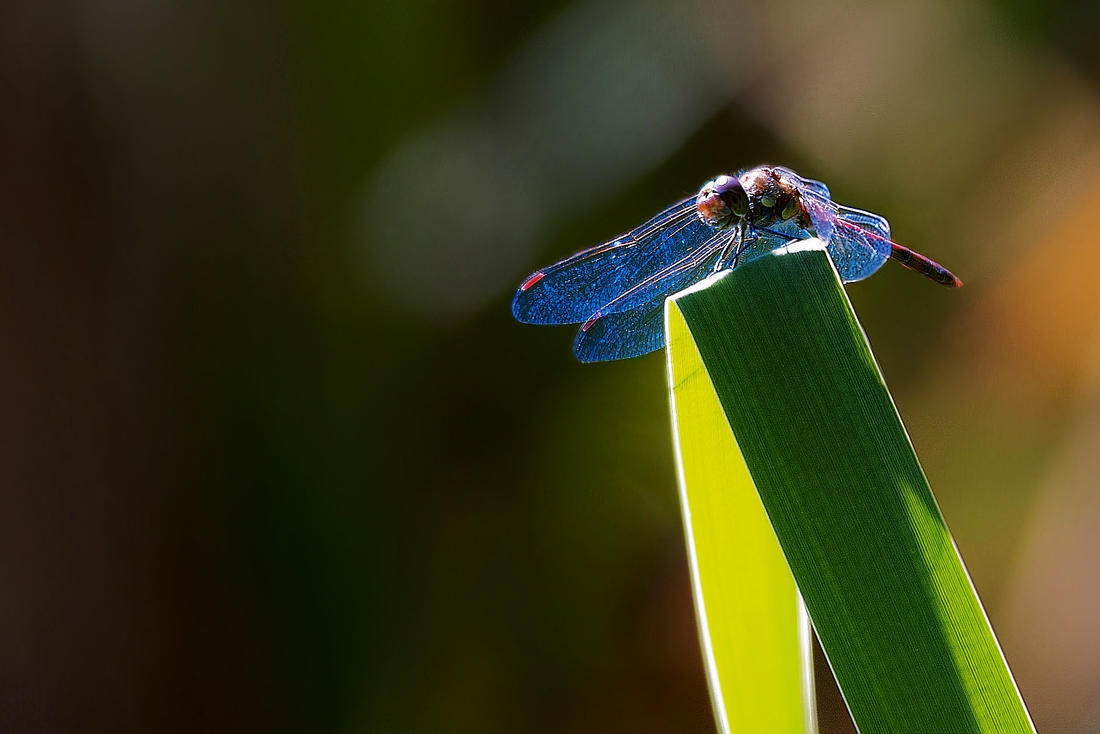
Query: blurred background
{"x": 277, "y": 458}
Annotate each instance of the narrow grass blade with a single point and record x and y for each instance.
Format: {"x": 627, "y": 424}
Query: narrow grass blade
{"x": 891, "y": 601}
{"x": 753, "y": 629}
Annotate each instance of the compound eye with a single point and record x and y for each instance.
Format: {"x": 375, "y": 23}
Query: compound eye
{"x": 712, "y": 209}
{"x": 733, "y": 194}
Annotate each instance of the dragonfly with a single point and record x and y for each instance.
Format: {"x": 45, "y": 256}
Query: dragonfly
{"x": 616, "y": 291}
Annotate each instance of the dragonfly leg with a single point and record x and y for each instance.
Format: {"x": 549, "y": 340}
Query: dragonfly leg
{"x": 733, "y": 247}
{"x": 744, "y": 243}
{"x": 740, "y": 249}
{"x": 779, "y": 234}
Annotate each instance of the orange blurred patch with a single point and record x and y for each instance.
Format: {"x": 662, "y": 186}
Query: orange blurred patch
{"x": 1035, "y": 329}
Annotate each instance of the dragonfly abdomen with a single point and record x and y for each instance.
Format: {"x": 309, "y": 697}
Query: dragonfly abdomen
{"x": 925, "y": 266}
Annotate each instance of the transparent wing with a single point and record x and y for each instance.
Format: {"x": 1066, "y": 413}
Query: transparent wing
{"x": 817, "y": 187}
{"x": 860, "y": 243}
{"x": 575, "y": 288}
{"x": 633, "y": 323}
{"x": 824, "y": 213}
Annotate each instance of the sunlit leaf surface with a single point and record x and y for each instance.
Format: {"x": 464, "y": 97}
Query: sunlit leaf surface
{"x": 753, "y": 630}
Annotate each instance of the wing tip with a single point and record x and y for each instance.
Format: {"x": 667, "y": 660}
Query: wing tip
{"x": 518, "y": 312}
{"x": 591, "y": 321}
{"x": 525, "y": 303}
{"x": 531, "y": 280}
{"x": 587, "y": 347}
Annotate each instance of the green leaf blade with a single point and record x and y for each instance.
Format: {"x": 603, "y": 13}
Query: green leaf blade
{"x": 890, "y": 598}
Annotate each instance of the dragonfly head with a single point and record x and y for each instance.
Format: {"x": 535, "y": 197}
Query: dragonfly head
{"x": 721, "y": 202}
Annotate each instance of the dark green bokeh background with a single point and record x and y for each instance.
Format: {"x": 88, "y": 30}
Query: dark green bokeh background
{"x": 278, "y": 459}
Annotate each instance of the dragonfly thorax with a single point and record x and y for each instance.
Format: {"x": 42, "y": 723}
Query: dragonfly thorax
{"x": 721, "y": 202}
{"x": 775, "y": 197}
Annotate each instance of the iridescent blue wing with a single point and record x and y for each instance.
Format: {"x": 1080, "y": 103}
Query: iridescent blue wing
{"x": 575, "y": 288}
{"x": 860, "y": 243}
{"x": 633, "y": 323}
{"x": 623, "y": 335}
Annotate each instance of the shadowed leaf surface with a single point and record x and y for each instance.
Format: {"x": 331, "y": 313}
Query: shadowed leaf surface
{"x": 890, "y": 599}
